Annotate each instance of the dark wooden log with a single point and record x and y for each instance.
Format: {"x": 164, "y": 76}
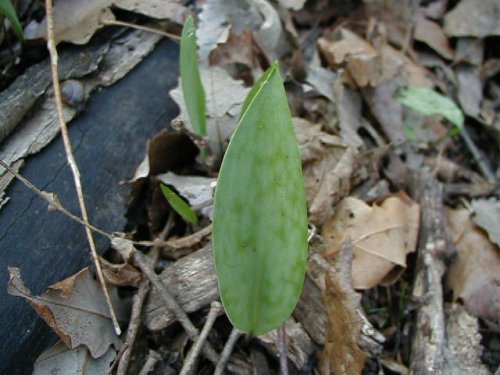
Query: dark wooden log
{"x": 109, "y": 140}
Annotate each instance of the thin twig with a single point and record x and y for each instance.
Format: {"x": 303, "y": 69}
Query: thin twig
{"x": 52, "y": 201}
{"x": 127, "y": 251}
{"x": 153, "y": 358}
{"x": 194, "y": 352}
{"x": 140, "y": 296}
{"x": 139, "y": 27}
{"x": 481, "y": 163}
{"x": 71, "y": 159}
{"x": 226, "y": 352}
{"x": 283, "y": 353}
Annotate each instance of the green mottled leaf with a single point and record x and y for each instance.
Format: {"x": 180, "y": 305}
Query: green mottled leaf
{"x": 429, "y": 102}
{"x": 192, "y": 88}
{"x": 8, "y": 10}
{"x": 260, "y": 216}
{"x": 179, "y": 205}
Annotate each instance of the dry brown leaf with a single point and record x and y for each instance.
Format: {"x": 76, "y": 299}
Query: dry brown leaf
{"x": 348, "y": 104}
{"x": 396, "y": 17}
{"x": 386, "y": 109}
{"x": 120, "y": 274}
{"x": 382, "y": 236}
{"x": 473, "y": 18}
{"x": 76, "y": 310}
{"x": 341, "y": 354}
{"x": 240, "y": 55}
{"x": 74, "y": 21}
{"x": 173, "y": 10}
{"x": 470, "y": 90}
{"x": 368, "y": 66}
{"x": 431, "y": 34}
{"x": 487, "y": 216}
{"x": 349, "y": 46}
{"x": 474, "y": 275}
{"x": 328, "y": 165}
{"x": 60, "y": 359}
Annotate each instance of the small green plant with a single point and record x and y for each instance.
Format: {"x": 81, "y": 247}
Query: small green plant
{"x": 260, "y": 216}
{"x": 179, "y": 205}
{"x": 192, "y": 88}
{"x": 7, "y": 9}
{"x": 429, "y": 102}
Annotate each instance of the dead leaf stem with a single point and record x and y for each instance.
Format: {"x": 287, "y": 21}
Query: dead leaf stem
{"x": 139, "y": 27}
{"x": 189, "y": 363}
{"x": 226, "y": 352}
{"x": 71, "y": 159}
{"x": 282, "y": 349}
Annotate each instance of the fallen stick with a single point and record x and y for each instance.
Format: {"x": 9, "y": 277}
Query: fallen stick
{"x": 226, "y": 352}
{"x": 126, "y": 249}
{"x": 428, "y": 347}
{"x": 194, "y": 352}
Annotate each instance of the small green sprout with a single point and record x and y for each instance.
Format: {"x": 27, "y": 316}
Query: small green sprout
{"x": 192, "y": 88}
{"x": 429, "y": 102}
{"x": 7, "y": 9}
{"x": 179, "y": 205}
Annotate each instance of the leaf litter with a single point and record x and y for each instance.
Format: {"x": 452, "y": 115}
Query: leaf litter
{"x": 375, "y": 88}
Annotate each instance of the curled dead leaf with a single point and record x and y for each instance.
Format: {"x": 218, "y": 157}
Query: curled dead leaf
{"x": 382, "y": 236}
{"x": 120, "y": 274}
{"x": 341, "y": 353}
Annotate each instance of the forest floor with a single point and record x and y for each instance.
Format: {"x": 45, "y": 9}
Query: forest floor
{"x": 395, "y": 106}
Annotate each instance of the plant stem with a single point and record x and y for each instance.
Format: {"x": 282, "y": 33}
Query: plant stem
{"x": 283, "y": 354}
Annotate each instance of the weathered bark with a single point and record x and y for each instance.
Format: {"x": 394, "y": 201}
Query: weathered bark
{"x": 427, "y": 354}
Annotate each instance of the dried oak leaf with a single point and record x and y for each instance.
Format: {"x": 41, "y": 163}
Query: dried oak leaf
{"x": 120, "y": 274}
{"x": 75, "y": 309}
{"x": 487, "y": 216}
{"x": 474, "y": 275}
{"x": 369, "y": 66}
{"x": 382, "y": 236}
{"x": 473, "y": 18}
{"x": 432, "y": 34}
{"x": 60, "y": 359}
{"x": 341, "y": 354}
{"x": 395, "y": 15}
{"x": 240, "y": 55}
{"x": 328, "y": 164}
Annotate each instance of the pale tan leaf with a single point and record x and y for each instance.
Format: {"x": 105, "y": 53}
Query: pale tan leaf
{"x": 120, "y": 274}
{"x": 173, "y": 10}
{"x": 473, "y": 18}
{"x": 382, "y": 236}
{"x": 76, "y": 310}
{"x": 74, "y": 21}
{"x": 487, "y": 216}
{"x": 225, "y": 97}
{"x": 474, "y": 275}
{"x": 432, "y": 34}
{"x": 60, "y": 359}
